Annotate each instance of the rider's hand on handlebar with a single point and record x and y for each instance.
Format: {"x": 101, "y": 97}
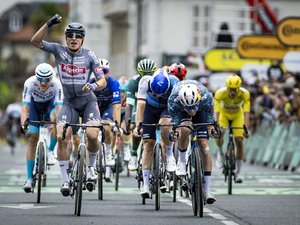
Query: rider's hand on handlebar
{"x": 137, "y": 132}
{"x": 88, "y": 87}
{"x": 54, "y": 20}
{"x": 24, "y": 129}
{"x": 246, "y": 133}
{"x": 173, "y": 136}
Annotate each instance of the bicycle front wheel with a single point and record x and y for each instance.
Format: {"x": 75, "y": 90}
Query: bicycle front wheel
{"x": 78, "y": 195}
{"x": 118, "y": 165}
{"x": 100, "y": 170}
{"x": 196, "y": 193}
{"x": 156, "y": 173}
{"x": 230, "y": 166}
{"x": 40, "y": 167}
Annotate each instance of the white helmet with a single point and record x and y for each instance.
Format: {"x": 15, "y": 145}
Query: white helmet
{"x": 104, "y": 63}
{"x": 44, "y": 71}
{"x": 189, "y": 95}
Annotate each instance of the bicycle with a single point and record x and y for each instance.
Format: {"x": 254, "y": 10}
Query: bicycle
{"x": 193, "y": 182}
{"x": 230, "y": 160}
{"x": 78, "y": 181}
{"x": 158, "y": 172}
{"x": 12, "y": 134}
{"x": 41, "y": 167}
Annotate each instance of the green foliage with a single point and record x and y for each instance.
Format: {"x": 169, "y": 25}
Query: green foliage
{"x": 6, "y": 93}
{"x": 45, "y": 11}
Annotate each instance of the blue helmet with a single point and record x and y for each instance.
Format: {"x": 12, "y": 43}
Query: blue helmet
{"x": 160, "y": 82}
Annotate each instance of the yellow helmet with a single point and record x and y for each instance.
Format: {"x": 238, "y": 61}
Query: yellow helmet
{"x": 233, "y": 81}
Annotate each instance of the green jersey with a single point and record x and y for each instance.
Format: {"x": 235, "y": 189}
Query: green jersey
{"x": 132, "y": 90}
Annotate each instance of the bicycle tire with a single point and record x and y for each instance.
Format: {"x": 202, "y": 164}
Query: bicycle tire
{"x": 199, "y": 182}
{"x": 40, "y": 166}
{"x": 190, "y": 177}
{"x": 174, "y": 176}
{"x": 157, "y": 178}
{"x": 100, "y": 171}
{"x": 230, "y": 148}
{"x": 79, "y": 188}
{"x": 117, "y": 168}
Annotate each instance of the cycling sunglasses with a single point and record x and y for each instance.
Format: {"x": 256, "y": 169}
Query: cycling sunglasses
{"x": 233, "y": 89}
{"x": 105, "y": 71}
{"x": 43, "y": 80}
{"x": 73, "y": 35}
{"x": 188, "y": 108}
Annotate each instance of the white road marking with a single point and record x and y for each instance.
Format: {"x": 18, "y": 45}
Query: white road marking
{"x": 24, "y": 206}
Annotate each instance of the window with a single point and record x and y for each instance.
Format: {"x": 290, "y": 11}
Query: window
{"x": 15, "y": 21}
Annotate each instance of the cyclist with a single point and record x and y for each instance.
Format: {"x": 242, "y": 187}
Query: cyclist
{"x": 144, "y": 67}
{"x": 109, "y": 102}
{"x": 152, "y": 100}
{"x": 123, "y": 82}
{"x": 232, "y": 103}
{"x": 191, "y": 102}
{"x": 42, "y": 94}
{"x": 12, "y": 115}
{"x": 75, "y": 65}
{"x": 179, "y": 70}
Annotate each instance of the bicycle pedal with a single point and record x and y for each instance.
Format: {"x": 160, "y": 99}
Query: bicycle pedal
{"x": 90, "y": 186}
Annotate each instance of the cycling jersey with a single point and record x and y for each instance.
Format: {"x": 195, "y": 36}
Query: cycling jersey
{"x": 205, "y": 104}
{"x": 225, "y": 103}
{"x": 232, "y": 108}
{"x": 74, "y": 69}
{"x": 145, "y": 93}
{"x": 132, "y": 90}
{"x": 110, "y": 94}
{"x": 32, "y": 91}
{"x": 14, "y": 110}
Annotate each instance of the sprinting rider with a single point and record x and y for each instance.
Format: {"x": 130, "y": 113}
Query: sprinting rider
{"x": 233, "y": 103}
{"x": 144, "y": 67}
{"x": 75, "y": 65}
{"x": 152, "y": 108}
{"x": 42, "y": 93}
{"x": 126, "y": 137}
{"x": 190, "y": 102}
{"x": 179, "y": 70}
{"x": 109, "y": 102}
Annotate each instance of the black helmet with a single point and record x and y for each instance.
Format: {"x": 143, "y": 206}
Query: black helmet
{"x": 76, "y": 28}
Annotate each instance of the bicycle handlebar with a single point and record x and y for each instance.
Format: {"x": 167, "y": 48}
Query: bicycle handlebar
{"x": 84, "y": 126}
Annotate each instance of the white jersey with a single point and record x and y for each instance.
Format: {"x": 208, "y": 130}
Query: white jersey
{"x": 31, "y": 90}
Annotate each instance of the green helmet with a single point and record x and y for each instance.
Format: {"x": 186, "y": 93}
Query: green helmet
{"x": 146, "y": 66}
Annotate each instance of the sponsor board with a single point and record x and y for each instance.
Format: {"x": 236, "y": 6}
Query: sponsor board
{"x": 288, "y": 31}
{"x": 227, "y": 60}
{"x": 261, "y": 47}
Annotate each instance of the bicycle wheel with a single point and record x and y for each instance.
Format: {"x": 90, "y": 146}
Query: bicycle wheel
{"x": 100, "y": 170}
{"x": 118, "y": 164}
{"x": 78, "y": 195}
{"x": 196, "y": 183}
{"x": 230, "y": 149}
{"x": 174, "y": 177}
{"x": 156, "y": 170}
{"x": 40, "y": 166}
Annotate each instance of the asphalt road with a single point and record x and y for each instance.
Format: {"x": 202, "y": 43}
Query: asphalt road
{"x": 267, "y": 196}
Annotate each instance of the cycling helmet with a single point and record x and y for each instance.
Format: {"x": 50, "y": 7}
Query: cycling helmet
{"x": 189, "y": 95}
{"x": 75, "y": 28}
{"x": 123, "y": 81}
{"x": 160, "y": 82}
{"x": 233, "y": 81}
{"x": 179, "y": 70}
{"x": 44, "y": 72}
{"x": 104, "y": 63}
{"x": 146, "y": 66}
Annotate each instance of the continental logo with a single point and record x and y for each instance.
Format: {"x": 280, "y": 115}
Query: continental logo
{"x": 261, "y": 47}
{"x": 288, "y": 31}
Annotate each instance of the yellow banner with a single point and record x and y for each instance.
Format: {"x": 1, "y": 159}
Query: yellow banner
{"x": 288, "y": 31}
{"x": 261, "y": 47}
{"x": 227, "y": 60}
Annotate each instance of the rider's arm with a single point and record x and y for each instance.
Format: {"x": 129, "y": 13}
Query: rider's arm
{"x": 217, "y": 105}
{"x": 140, "y": 109}
{"x": 117, "y": 112}
{"x": 116, "y": 101}
{"x": 38, "y": 37}
{"x": 131, "y": 98}
{"x": 246, "y": 108}
{"x": 24, "y": 113}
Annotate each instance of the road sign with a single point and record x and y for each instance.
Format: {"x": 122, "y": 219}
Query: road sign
{"x": 261, "y": 47}
{"x": 227, "y": 60}
{"x": 288, "y": 31}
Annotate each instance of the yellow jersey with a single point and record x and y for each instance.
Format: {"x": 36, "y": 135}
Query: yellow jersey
{"x": 222, "y": 101}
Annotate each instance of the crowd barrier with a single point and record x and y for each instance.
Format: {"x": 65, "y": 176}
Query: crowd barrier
{"x": 276, "y": 145}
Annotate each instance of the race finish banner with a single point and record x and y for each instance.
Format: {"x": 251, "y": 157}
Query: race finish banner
{"x": 288, "y": 31}
{"x": 227, "y": 60}
{"x": 261, "y": 47}
{"x": 262, "y": 13}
